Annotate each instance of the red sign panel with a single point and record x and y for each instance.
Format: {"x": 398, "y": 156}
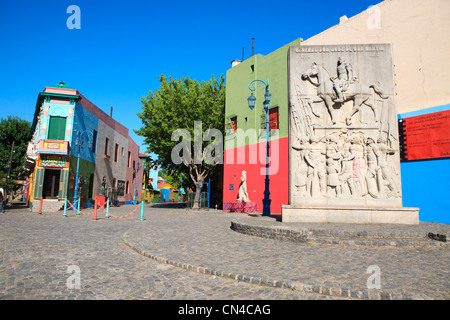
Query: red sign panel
{"x": 427, "y": 136}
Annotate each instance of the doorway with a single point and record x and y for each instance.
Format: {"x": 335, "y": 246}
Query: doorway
{"x": 50, "y": 189}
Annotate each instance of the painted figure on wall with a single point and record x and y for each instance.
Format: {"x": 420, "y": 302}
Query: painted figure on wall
{"x": 243, "y": 195}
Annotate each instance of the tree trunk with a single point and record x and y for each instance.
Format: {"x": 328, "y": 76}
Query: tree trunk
{"x": 198, "y": 190}
{"x": 197, "y": 176}
{"x": 196, "y": 204}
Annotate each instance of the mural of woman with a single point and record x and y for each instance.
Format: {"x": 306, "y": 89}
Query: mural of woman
{"x": 243, "y": 195}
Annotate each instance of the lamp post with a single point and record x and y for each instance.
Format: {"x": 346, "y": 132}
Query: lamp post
{"x": 251, "y": 103}
{"x": 136, "y": 179}
{"x": 79, "y": 141}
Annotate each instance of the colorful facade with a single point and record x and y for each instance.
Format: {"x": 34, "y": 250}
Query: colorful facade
{"x": 420, "y": 64}
{"x": 245, "y": 140}
{"x": 73, "y": 135}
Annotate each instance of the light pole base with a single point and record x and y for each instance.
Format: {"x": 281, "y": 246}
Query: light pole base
{"x": 266, "y": 207}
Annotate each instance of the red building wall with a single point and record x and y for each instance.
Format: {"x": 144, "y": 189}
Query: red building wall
{"x": 279, "y": 166}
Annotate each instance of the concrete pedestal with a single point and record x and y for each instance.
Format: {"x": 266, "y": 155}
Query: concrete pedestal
{"x": 325, "y": 214}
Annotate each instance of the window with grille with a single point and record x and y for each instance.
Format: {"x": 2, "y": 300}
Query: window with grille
{"x": 273, "y": 119}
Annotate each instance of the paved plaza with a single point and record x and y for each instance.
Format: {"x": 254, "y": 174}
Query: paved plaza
{"x": 180, "y": 254}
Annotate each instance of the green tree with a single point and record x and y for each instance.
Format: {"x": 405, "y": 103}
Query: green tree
{"x": 178, "y": 104}
{"x": 19, "y": 131}
{"x": 174, "y": 178}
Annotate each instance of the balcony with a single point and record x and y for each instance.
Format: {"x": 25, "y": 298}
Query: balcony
{"x": 53, "y": 147}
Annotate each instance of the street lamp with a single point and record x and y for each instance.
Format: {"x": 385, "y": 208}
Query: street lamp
{"x": 251, "y": 103}
{"x": 136, "y": 180}
{"x": 79, "y": 141}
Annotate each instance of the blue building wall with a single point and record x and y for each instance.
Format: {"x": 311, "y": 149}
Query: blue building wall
{"x": 426, "y": 183}
{"x": 153, "y": 175}
{"x": 84, "y": 121}
{"x": 165, "y": 194}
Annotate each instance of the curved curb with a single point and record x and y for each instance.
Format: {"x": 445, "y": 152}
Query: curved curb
{"x": 373, "y": 294}
{"x": 343, "y": 238}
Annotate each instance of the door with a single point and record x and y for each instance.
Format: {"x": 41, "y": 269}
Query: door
{"x": 50, "y": 188}
{"x": 91, "y": 186}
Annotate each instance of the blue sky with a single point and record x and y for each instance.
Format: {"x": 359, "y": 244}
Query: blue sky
{"x": 123, "y": 46}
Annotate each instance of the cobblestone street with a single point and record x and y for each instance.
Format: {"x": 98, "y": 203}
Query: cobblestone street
{"x": 36, "y": 252}
{"x": 167, "y": 256}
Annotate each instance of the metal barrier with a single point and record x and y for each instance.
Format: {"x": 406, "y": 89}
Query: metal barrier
{"x": 96, "y": 206}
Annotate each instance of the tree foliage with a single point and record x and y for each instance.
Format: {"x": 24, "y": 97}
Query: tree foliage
{"x": 177, "y": 104}
{"x": 19, "y": 131}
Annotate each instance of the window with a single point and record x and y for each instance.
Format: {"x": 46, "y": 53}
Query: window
{"x": 57, "y": 128}
{"x": 273, "y": 118}
{"x": 234, "y": 123}
{"x": 106, "y": 146}
{"x": 122, "y": 152}
{"x": 116, "y": 153}
{"x": 129, "y": 158}
{"x": 94, "y": 141}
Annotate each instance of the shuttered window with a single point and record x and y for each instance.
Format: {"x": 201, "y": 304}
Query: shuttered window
{"x": 38, "y": 183}
{"x": 57, "y": 128}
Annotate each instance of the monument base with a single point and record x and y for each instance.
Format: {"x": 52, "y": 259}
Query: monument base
{"x": 334, "y": 214}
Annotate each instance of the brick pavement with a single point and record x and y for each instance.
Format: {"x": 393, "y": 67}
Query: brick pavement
{"x": 196, "y": 255}
{"x": 36, "y": 252}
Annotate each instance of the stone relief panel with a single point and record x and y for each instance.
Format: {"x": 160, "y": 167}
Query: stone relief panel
{"x": 343, "y": 126}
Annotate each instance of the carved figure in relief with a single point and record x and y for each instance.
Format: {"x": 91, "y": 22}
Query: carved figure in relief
{"x": 301, "y": 182}
{"x": 243, "y": 195}
{"x": 333, "y": 157}
{"x": 372, "y": 169}
{"x": 343, "y": 79}
{"x": 347, "y": 177}
{"x": 352, "y": 163}
{"x": 316, "y": 174}
{"x": 357, "y": 91}
{"x": 383, "y": 151}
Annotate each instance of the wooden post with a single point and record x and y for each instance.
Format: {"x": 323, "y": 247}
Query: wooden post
{"x": 40, "y": 205}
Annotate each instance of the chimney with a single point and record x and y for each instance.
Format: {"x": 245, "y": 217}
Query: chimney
{"x": 235, "y": 63}
{"x": 111, "y": 112}
{"x": 253, "y": 46}
{"x": 343, "y": 19}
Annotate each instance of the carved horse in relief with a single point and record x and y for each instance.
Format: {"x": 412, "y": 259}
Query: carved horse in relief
{"x": 356, "y": 91}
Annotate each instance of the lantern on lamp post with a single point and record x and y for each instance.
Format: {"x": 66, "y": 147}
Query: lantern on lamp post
{"x": 251, "y": 103}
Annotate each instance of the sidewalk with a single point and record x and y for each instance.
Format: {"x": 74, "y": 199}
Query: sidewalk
{"x": 411, "y": 265}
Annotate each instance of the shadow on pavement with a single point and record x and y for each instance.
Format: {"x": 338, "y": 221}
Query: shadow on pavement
{"x": 170, "y": 205}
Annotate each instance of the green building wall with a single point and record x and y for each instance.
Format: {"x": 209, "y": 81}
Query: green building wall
{"x": 86, "y": 169}
{"x": 272, "y": 67}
